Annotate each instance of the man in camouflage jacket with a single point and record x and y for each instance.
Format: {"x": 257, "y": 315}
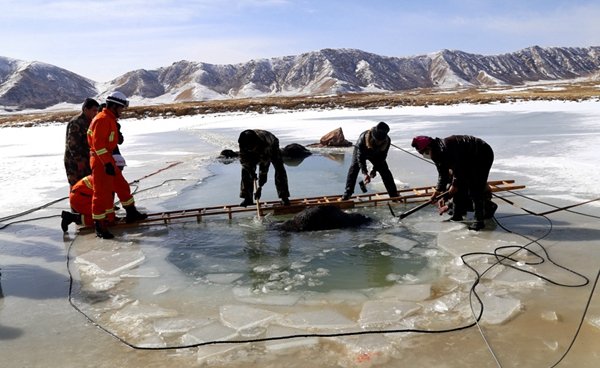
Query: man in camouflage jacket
{"x": 77, "y": 150}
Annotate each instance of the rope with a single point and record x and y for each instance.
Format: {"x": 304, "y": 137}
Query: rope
{"x": 35, "y": 209}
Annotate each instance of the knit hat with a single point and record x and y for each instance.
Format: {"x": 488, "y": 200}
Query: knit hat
{"x": 380, "y": 131}
{"x": 422, "y": 142}
{"x": 89, "y": 103}
{"x": 248, "y": 139}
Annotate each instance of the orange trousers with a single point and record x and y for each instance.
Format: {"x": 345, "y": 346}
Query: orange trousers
{"x": 104, "y": 188}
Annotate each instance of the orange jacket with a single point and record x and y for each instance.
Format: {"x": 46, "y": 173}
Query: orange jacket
{"x": 103, "y": 136}
{"x": 84, "y": 187}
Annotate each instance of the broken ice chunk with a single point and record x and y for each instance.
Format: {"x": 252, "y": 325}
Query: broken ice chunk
{"x": 223, "y": 278}
{"x": 245, "y": 294}
{"x": 499, "y": 310}
{"x": 136, "y": 313}
{"x": 284, "y": 344}
{"x": 212, "y": 351}
{"x": 243, "y": 317}
{"x": 550, "y": 316}
{"x": 152, "y": 341}
{"x": 552, "y": 345}
{"x": 397, "y": 241}
{"x": 111, "y": 262}
{"x": 594, "y": 321}
{"x": 323, "y": 319}
{"x": 212, "y": 332}
{"x": 365, "y": 351}
{"x": 412, "y": 293}
{"x": 176, "y": 326}
{"x": 146, "y": 272}
{"x": 381, "y": 312}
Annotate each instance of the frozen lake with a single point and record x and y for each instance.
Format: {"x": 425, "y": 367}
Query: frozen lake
{"x": 168, "y": 287}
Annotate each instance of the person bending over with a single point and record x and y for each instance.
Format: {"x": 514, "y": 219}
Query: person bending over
{"x": 469, "y": 159}
{"x": 261, "y": 148}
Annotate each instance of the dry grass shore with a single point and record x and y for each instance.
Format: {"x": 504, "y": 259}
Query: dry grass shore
{"x": 566, "y": 91}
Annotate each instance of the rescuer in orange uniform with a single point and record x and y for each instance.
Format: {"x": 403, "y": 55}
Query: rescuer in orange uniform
{"x": 103, "y": 137}
{"x": 80, "y": 200}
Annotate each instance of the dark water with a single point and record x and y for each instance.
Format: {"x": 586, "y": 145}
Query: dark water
{"x": 272, "y": 260}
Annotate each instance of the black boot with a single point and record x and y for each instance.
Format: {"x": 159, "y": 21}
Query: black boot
{"x": 478, "y": 224}
{"x": 67, "y": 218}
{"x": 489, "y": 209}
{"x": 133, "y": 215}
{"x": 285, "y": 201}
{"x": 102, "y": 230}
{"x": 246, "y": 202}
{"x": 346, "y": 196}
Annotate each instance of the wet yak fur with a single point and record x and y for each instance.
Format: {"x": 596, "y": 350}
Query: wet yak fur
{"x": 323, "y": 217}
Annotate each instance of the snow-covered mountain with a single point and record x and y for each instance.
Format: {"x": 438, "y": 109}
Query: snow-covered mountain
{"x": 328, "y": 71}
{"x": 38, "y": 85}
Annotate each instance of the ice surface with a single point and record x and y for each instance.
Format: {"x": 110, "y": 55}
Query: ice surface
{"x": 111, "y": 262}
{"x": 223, "y": 278}
{"x": 550, "y": 147}
{"x": 407, "y": 292}
{"x": 365, "y": 350}
{"x": 321, "y": 319}
{"x": 515, "y": 278}
{"x": 285, "y": 344}
{"x": 397, "y": 241}
{"x": 169, "y": 327}
{"x": 498, "y": 310}
{"x": 136, "y": 313}
{"x": 205, "y": 353}
{"x": 382, "y": 312}
{"x": 243, "y": 317}
{"x": 248, "y": 296}
{"x": 141, "y": 272}
{"x": 594, "y": 321}
{"x": 214, "y": 331}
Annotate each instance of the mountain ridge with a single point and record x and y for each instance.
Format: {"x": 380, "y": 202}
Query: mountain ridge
{"x": 37, "y": 85}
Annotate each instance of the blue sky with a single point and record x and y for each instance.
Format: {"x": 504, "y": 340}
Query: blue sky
{"x": 103, "y": 39}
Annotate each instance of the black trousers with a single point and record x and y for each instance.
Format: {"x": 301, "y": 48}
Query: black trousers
{"x": 382, "y": 169}
{"x": 281, "y": 181}
{"x": 476, "y": 184}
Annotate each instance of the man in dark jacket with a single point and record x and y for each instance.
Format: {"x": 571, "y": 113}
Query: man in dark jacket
{"x": 372, "y": 145}
{"x": 260, "y": 147}
{"x": 469, "y": 159}
{"x": 77, "y": 150}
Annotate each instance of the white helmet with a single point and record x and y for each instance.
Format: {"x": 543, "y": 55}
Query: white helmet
{"x": 119, "y": 161}
{"x": 119, "y": 98}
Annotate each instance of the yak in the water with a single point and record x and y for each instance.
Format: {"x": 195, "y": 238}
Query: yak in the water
{"x": 323, "y": 217}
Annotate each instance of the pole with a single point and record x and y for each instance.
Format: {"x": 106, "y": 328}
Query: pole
{"x": 258, "y": 214}
{"x": 421, "y": 206}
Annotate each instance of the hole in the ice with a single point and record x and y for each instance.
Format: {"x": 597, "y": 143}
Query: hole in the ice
{"x": 245, "y": 254}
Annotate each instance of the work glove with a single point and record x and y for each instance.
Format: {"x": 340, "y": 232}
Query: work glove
{"x": 373, "y": 173}
{"x": 257, "y": 193}
{"x": 109, "y": 169}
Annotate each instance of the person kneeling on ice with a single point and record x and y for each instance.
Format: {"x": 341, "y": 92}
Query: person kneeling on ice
{"x": 103, "y": 139}
{"x": 372, "y": 145}
{"x": 260, "y": 147}
{"x": 80, "y": 200}
{"x": 470, "y": 160}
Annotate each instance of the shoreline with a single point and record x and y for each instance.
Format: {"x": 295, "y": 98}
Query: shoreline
{"x": 556, "y": 91}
